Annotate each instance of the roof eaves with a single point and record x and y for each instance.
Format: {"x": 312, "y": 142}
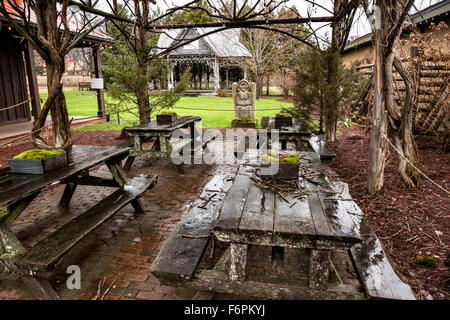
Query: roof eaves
{"x": 431, "y": 12}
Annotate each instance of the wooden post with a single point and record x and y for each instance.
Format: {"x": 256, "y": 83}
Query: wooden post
{"x": 200, "y": 73}
{"x": 319, "y": 268}
{"x": 227, "y": 77}
{"x": 277, "y": 261}
{"x": 32, "y": 81}
{"x": 216, "y": 75}
{"x": 238, "y": 261}
{"x": 98, "y": 74}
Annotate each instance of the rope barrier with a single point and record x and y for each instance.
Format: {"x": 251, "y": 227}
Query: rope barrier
{"x": 409, "y": 162}
{"x": 16, "y": 105}
{"x": 221, "y": 110}
{"x": 25, "y": 135}
{"x": 418, "y": 170}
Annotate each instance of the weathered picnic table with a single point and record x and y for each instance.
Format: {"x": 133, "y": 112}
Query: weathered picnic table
{"x": 321, "y": 217}
{"x": 162, "y": 147}
{"x": 19, "y": 190}
{"x": 303, "y": 218}
{"x": 299, "y": 134}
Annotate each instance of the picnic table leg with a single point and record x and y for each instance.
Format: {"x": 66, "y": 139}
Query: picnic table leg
{"x": 165, "y": 146}
{"x": 10, "y": 214}
{"x": 128, "y": 163}
{"x": 69, "y": 190}
{"x": 238, "y": 261}
{"x": 11, "y": 246}
{"x": 195, "y": 134}
{"x": 283, "y": 144}
{"x": 277, "y": 261}
{"x": 137, "y": 143}
{"x": 40, "y": 288}
{"x": 319, "y": 268}
{"x": 120, "y": 177}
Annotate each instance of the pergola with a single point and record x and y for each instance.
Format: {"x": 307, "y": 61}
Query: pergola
{"x": 218, "y": 54}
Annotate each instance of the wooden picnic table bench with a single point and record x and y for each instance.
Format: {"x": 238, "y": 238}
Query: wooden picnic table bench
{"x": 318, "y": 221}
{"x": 301, "y": 135}
{"x": 84, "y": 85}
{"x": 39, "y": 261}
{"x": 161, "y": 139}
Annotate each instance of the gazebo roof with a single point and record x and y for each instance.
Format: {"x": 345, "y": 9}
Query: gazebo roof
{"x": 224, "y": 44}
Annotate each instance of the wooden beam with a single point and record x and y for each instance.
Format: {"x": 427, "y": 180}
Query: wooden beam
{"x": 98, "y": 74}
{"x": 217, "y": 281}
{"x": 32, "y": 80}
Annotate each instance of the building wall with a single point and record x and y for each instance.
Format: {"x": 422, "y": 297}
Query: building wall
{"x": 357, "y": 55}
{"x": 13, "y": 84}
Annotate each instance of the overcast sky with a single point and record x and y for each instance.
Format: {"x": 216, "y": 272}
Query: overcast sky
{"x": 360, "y": 27}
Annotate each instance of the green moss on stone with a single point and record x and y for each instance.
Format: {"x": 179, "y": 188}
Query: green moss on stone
{"x": 38, "y": 154}
{"x": 243, "y": 120}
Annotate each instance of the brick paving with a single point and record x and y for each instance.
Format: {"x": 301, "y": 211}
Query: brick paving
{"x": 122, "y": 250}
{"x": 119, "y": 254}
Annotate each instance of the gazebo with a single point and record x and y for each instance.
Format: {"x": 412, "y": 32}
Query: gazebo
{"x": 219, "y": 55}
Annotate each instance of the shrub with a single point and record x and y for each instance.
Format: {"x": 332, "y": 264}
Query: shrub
{"x": 224, "y": 94}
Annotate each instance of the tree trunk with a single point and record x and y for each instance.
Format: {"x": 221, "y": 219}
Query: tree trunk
{"x": 377, "y": 159}
{"x": 142, "y": 54}
{"x": 56, "y": 104}
{"x": 388, "y": 27}
{"x": 259, "y": 82}
{"x": 401, "y": 129}
{"x": 332, "y": 103}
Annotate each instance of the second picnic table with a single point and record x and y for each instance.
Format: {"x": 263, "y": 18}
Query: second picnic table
{"x": 162, "y": 147}
{"x": 303, "y": 218}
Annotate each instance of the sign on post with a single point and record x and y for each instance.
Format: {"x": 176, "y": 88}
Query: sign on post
{"x": 97, "y": 83}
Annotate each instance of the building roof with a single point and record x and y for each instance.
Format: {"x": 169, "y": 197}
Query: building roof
{"x": 224, "y": 44}
{"x": 73, "y": 25}
{"x": 434, "y": 11}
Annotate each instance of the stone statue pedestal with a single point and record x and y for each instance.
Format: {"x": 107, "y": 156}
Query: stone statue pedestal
{"x": 242, "y": 123}
{"x": 244, "y": 99}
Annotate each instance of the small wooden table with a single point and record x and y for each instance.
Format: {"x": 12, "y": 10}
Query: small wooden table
{"x": 306, "y": 218}
{"x": 161, "y": 148}
{"x": 298, "y": 133}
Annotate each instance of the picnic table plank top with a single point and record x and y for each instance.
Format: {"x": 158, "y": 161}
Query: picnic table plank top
{"x": 249, "y": 210}
{"x": 14, "y": 186}
{"x": 298, "y": 127}
{"x": 153, "y": 126}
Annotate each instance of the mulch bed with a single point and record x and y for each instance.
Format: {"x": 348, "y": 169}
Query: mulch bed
{"x": 410, "y": 222}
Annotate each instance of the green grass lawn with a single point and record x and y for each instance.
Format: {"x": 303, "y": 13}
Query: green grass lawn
{"x": 84, "y": 103}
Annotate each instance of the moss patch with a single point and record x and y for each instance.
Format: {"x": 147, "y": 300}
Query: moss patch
{"x": 283, "y": 115}
{"x": 243, "y": 120}
{"x": 38, "y": 154}
{"x": 167, "y": 113}
{"x": 275, "y": 157}
{"x": 426, "y": 261}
